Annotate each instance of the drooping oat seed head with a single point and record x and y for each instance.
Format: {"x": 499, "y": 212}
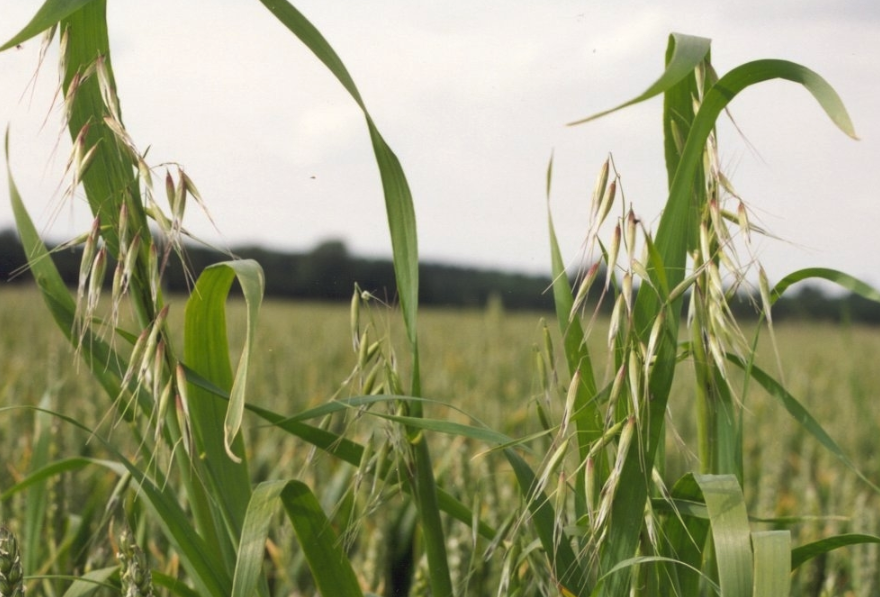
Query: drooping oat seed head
{"x": 568, "y": 411}
{"x": 96, "y": 281}
{"x": 108, "y": 89}
{"x": 629, "y": 237}
{"x": 153, "y": 266}
{"x": 653, "y": 340}
{"x": 599, "y": 191}
{"x": 627, "y": 290}
{"x": 634, "y": 370}
{"x": 583, "y": 290}
{"x": 611, "y": 258}
{"x": 607, "y": 202}
{"x": 616, "y": 319}
{"x": 85, "y": 266}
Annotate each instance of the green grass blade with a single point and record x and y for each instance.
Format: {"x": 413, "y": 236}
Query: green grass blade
{"x": 110, "y": 176}
{"x": 172, "y": 584}
{"x": 323, "y": 549}
{"x": 404, "y": 243}
{"x": 843, "y": 280}
{"x": 206, "y": 319}
{"x": 38, "y": 499}
{"x": 577, "y": 353}
{"x": 799, "y": 413}
{"x": 688, "y": 51}
{"x": 809, "y": 551}
{"x": 482, "y": 432}
{"x": 48, "y": 15}
{"x": 772, "y": 563}
{"x": 730, "y": 533}
{"x": 685, "y": 530}
{"x": 216, "y": 423}
{"x": 90, "y": 582}
{"x": 566, "y": 568}
{"x": 398, "y": 199}
{"x": 252, "y": 545}
{"x": 53, "y": 469}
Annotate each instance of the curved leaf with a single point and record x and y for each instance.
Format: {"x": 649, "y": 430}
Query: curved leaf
{"x": 47, "y": 16}
{"x": 254, "y": 532}
{"x": 204, "y": 311}
{"x": 811, "y": 550}
{"x": 398, "y": 199}
{"x": 832, "y": 275}
{"x": 53, "y": 469}
{"x": 90, "y": 582}
{"x": 671, "y": 239}
{"x": 688, "y": 52}
{"x": 799, "y": 413}
{"x": 323, "y": 549}
{"x": 216, "y": 422}
{"x": 404, "y": 244}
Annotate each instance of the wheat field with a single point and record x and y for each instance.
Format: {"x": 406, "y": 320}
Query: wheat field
{"x": 483, "y": 362}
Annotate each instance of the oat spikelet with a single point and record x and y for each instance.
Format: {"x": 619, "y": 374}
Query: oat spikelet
{"x": 598, "y": 190}
{"x": 612, "y": 256}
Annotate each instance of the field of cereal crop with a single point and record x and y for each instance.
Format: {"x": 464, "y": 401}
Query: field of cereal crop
{"x": 483, "y": 362}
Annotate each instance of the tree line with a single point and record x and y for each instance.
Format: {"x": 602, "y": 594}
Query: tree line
{"x": 329, "y": 272}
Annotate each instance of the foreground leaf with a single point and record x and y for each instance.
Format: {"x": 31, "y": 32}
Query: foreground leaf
{"x": 216, "y": 422}
{"x": 772, "y": 559}
{"x": 323, "y": 549}
{"x": 731, "y": 534}
{"x": 404, "y": 244}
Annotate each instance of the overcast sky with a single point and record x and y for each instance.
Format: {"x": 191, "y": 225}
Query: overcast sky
{"x": 473, "y": 97}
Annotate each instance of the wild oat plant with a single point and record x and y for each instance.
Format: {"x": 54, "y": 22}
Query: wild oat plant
{"x": 596, "y": 513}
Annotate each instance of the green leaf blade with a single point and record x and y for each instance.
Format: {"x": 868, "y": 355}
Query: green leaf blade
{"x": 772, "y": 562}
{"x": 687, "y": 52}
{"x": 323, "y": 549}
{"x": 47, "y": 16}
{"x": 215, "y": 422}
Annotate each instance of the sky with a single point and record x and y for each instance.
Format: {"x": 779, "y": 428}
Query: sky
{"x": 474, "y": 98}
